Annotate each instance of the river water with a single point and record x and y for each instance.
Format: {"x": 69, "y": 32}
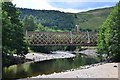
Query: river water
{"x": 46, "y": 67}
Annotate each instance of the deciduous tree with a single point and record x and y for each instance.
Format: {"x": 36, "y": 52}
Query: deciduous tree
{"x": 109, "y": 35}
{"x": 13, "y": 37}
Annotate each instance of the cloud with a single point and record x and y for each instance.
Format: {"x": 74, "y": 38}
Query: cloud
{"x": 38, "y": 4}
{"x": 67, "y": 6}
{"x": 72, "y": 1}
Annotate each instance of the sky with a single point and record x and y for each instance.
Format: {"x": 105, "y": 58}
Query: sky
{"x": 73, "y": 6}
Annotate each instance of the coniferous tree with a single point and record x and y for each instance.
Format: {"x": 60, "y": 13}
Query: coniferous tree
{"x": 29, "y": 23}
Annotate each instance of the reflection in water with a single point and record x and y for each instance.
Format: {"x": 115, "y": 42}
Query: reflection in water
{"x": 45, "y": 67}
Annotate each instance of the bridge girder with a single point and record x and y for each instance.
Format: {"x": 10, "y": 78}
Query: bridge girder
{"x": 62, "y": 38}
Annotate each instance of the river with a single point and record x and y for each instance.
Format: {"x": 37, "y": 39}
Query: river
{"x": 47, "y": 66}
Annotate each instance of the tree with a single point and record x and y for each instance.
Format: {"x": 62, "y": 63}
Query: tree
{"x": 13, "y": 37}
{"x": 102, "y": 46}
{"x": 114, "y": 33}
{"x": 29, "y": 23}
{"x": 40, "y": 27}
{"x": 109, "y": 35}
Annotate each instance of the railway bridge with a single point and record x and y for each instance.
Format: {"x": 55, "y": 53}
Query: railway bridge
{"x": 62, "y": 38}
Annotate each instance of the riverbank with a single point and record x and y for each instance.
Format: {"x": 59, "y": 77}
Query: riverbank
{"x": 35, "y": 57}
{"x": 55, "y": 55}
{"x": 107, "y": 70}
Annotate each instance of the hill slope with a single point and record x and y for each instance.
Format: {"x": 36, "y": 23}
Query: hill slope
{"x": 90, "y": 20}
{"x": 50, "y": 18}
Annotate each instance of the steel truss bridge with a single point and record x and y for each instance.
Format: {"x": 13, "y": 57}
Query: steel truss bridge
{"x": 62, "y": 38}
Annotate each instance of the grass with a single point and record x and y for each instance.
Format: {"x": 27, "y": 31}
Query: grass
{"x": 92, "y": 19}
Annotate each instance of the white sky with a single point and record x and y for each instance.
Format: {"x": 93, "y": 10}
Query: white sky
{"x": 45, "y": 4}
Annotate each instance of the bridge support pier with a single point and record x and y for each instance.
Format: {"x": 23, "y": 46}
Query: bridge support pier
{"x": 88, "y": 36}
{"x": 71, "y": 37}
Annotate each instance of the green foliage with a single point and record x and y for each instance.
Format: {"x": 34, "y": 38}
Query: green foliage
{"x": 71, "y": 48}
{"x": 90, "y": 20}
{"x": 29, "y": 23}
{"x": 13, "y": 41}
{"x": 50, "y": 18}
{"x": 47, "y": 49}
{"x": 109, "y": 35}
{"x": 102, "y": 47}
{"x": 40, "y": 27}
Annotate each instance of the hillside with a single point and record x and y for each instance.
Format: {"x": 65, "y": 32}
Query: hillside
{"x": 90, "y": 20}
{"x": 56, "y": 19}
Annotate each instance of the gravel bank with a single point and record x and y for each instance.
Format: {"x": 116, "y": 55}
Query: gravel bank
{"x": 41, "y": 56}
{"x": 58, "y": 54}
{"x": 108, "y": 70}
